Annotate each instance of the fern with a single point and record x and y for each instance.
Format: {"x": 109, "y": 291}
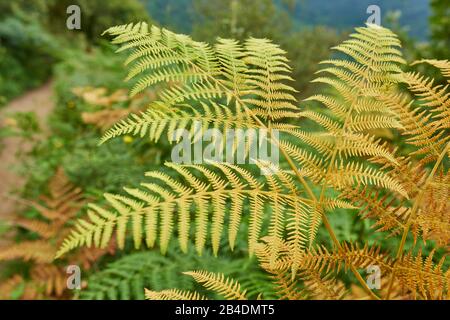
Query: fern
{"x": 233, "y": 85}
{"x": 126, "y": 277}
{"x": 47, "y": 280}
{"x": 227, "y": 287}
{"x": 227, "y": 192}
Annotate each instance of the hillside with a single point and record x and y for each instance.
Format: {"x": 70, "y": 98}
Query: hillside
{"x": 342, "y": 14}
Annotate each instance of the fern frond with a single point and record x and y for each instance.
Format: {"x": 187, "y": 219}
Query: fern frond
{"x": 322, "y": 287}
{"x": 46, "y": 279}
{"x": 433, "y": 97}
{"x": 228, "y": 187}
{"x": 126, "y": 277}
{"x": 422, "y": 276}
{"x": 8, "y": 286}
{"x": 173, "y": 294}
{"x": 350, "y": 255}
{"x": 249, "y": 76}
{"x": 227, "y": 287}
{"x": 38, "y": 251}
{"x": 372, "y": 69}
{"x": 443, "y": 65}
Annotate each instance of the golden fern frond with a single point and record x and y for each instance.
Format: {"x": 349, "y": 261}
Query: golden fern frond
{"x": 267, "y": 70}
{"x": 422, "y": 276}
{"x": 358, "y": 174}
{"x": 323, "y": 260}
{"x": 173, "y": 294}
{"x": 217, "y": 282}
{"x": 431, "y": 218}
{"x": 155, "y": 208}
{"x": 159, "y": 118}
{"x": 353, "y": 111}
{"x": 426, "y": 122}
{"x": 351, "y": 254}
{"x": 435, "y": 98}
{"x": 443, "y": 65}
{"x": 420, "y": 129}
{"x": 322, "y": 287}
{"x": 248, "y": 77}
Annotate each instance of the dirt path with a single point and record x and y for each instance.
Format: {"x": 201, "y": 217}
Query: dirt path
{"x": 39, "y": 101}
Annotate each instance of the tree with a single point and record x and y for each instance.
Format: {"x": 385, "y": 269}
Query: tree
{"x": 440, "y": 28}
{"x": 241, "y": 19}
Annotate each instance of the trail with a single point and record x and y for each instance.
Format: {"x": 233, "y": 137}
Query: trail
{"x": 40, "y": 101}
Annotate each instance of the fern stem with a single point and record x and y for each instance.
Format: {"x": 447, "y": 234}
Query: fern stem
{"x": 410, "y": 218}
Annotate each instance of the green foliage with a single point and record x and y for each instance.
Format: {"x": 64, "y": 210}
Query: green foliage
{"x": 125, "y": 277}
{"x": 21, "y": 39}
{"x": 97, "y": 15}
{"x": 74, "y": 143}
{"x": 440, "y": 29}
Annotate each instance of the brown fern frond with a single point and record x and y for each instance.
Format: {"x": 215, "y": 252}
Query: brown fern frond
{"x": 322, "y": 287}
{"x": 8, "y": 286}
{"x": 40, "y": 251}
{"x": 100, "y": 96}
{"x": 43, "y": 229}
{"x": 105, "y": 119}
{"x": 351, "y": 254}
{"x": 49, "y": 279}
{"x": 423, "y": 277}
{"x": 433, "y": 219}
{"x": 388, "y": 213}
{"x": 287, "y": 288}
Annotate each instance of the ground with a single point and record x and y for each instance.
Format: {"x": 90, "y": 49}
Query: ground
{"x": 39, "y": 101}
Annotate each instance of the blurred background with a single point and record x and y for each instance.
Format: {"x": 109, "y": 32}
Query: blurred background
{"x": 60, "y": 89}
